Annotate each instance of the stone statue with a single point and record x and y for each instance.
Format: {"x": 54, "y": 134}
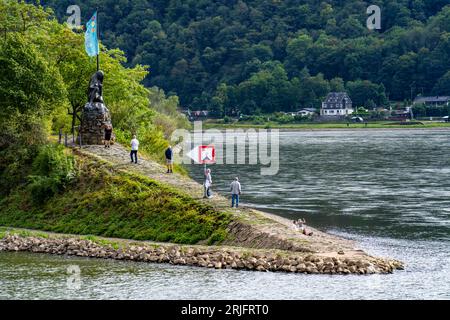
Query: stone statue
{"x": 95, "y": 90}
{"x": 96, "y": 116}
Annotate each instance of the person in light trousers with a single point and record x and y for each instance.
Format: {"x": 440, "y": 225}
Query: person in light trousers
{"x": 235, "y": 189}
{"x": 207, "y": 184}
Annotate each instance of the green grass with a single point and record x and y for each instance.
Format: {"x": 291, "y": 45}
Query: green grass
{"x": 23, "y": 233}
{"x": 119, "y": 204}
{"x": 318, "y": 126}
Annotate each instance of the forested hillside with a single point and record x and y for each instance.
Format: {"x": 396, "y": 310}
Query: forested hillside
{"x": 267, "y": 55}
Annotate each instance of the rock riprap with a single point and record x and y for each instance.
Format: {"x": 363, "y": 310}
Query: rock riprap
{"x": 199, "y": 256}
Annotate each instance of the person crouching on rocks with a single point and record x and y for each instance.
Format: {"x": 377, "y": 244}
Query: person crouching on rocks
{"x": 301, "y": 223}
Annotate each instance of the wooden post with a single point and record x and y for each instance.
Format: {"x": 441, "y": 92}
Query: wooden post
{"x": 65, "y": 139}
{"x": 79, "y": 135}
{"x": 60, "y": 136}
{"x": 205, "y": 190}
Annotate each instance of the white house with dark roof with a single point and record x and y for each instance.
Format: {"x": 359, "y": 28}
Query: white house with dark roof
{"x": 337, "y": 104}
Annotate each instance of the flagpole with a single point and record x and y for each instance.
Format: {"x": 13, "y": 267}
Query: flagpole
{"x": 98, "y": 40}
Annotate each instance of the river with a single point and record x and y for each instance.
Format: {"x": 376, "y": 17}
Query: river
{"x": 389, "y": 190}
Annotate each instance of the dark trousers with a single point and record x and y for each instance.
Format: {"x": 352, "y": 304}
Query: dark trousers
{"x": 133, "y": 154}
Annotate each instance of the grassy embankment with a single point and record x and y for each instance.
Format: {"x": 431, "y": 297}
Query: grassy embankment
{"x": 104, "y": 200}
{"x": 324, "y": 126}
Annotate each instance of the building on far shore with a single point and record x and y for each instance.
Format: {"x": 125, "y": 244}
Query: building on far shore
{"x": 306, "y": 112}
{"x": 436, "y": 101}
{"x": 403, "y": 114}
{"x": 337, "y": 104}
{"x": 196, "y": 115}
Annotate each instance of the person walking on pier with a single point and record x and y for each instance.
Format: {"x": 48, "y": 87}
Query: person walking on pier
{"x": 134, "y": 149}
{"x": 108, "y": 135}
{"x": 235, "y": 189}
{"x": 169, "y": 159}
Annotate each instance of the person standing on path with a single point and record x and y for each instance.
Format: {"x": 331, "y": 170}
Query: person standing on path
{"x": 134, "y": 149}
{"x": 235, "y": 189}
{"x": 207, "y": 185}
{"x": 169, "y": 159}
{"x": 108, "y": 135}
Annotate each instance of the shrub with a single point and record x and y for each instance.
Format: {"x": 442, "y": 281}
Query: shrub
{"x": 52, "y": 171}
{"x": 284, "y": 118}
{"x": 218, "y": 236}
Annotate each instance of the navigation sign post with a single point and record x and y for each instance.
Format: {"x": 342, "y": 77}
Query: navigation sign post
{"x": 203, "y": 155}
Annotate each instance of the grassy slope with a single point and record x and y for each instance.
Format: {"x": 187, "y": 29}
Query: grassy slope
{"x": 112, "y": 202}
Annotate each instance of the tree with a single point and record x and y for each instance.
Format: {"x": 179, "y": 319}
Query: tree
{"x": 337, "y": 85}
{"x": 297, "y": 53}
{"x": 313, "y": 90}
{"x": 442, "y": 87}
{"x": 365, "y": 93}
{"x": 28, "y": 84}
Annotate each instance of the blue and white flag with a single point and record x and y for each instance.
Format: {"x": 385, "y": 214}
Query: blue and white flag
{"x": 91, "y": 38}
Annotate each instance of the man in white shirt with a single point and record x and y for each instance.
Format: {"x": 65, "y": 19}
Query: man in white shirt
{"x": 134, "y": 149}
{"x": 235, "y": 189}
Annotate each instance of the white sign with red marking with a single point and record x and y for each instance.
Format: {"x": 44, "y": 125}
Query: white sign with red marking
{"x": 203, "y": 154}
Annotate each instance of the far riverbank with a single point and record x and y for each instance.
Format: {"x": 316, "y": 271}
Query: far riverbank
{"x": 330, "y": 126}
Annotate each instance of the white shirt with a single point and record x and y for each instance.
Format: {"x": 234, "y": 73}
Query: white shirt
{"x": 235, "y": 187}
{"x": 208, "y": 180}
{"x": 135, "y": 144}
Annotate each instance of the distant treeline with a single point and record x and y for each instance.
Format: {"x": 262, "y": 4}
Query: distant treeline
{"x": 278, "y": 55}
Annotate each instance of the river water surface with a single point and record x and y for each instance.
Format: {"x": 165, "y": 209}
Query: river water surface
{"x": 387, "y": 189}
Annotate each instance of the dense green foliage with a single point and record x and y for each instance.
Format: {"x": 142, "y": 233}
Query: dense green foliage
{"x": 105, "y": 202}
{"x": 273, "y": 55}
{"x": 52, "y": 172}
{"x": 277, "y": 117}
{"x": 44, "y": 72}
{"x": 423, "y": 111}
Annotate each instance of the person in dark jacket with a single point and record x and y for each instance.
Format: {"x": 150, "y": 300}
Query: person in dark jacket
{"x": 108, "y": 134}
{"x": 169, "y": 159}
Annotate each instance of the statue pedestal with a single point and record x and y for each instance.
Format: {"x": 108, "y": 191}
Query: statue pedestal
{"x": 94, "y": 119}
